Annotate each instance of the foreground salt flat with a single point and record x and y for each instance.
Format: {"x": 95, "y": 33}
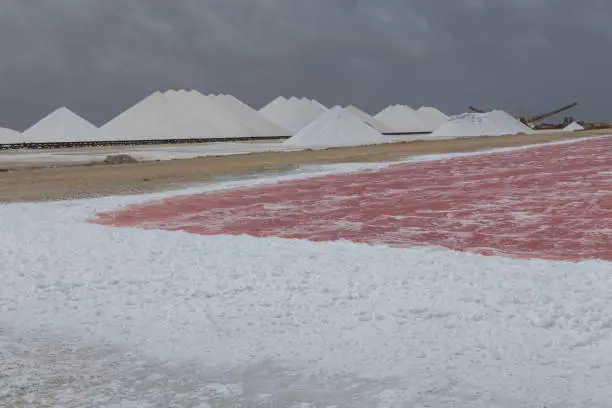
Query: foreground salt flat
{"x": 148, "y": 316}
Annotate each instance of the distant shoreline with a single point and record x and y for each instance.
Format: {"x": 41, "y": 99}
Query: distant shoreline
{"x": 81, "y": 181}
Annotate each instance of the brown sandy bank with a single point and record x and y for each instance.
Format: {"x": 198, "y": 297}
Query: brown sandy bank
{"x": 32, "y": 184}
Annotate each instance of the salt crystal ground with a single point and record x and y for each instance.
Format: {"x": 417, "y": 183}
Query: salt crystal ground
{"x": 552, "y": 202}
{"x": 104, "y": 315}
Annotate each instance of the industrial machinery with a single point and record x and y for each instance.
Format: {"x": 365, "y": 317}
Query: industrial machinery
{"x": 531, "y": 121}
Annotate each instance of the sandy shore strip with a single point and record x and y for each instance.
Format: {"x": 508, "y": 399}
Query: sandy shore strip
{"x": 80, "y": 181}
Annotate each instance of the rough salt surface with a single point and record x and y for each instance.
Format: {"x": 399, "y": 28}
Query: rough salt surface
{"x": 62, "y": 125}
{"x": 336, "y": 127}
{"x": 92, "y": 315}
{"x": 494, "y": 123}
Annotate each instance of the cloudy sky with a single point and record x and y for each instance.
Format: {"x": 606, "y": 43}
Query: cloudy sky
{"x": 100, "y": 56}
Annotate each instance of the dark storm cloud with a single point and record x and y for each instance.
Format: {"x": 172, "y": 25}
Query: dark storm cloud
{"x": 98, "y": 57}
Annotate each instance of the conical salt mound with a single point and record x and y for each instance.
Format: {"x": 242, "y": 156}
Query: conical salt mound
{"x": 292, "y": 114}
{"x": 197, "y": 116}
{"x": 309, "y": 110}
{"x": 335, "y": 128}
{"x": 573, "y": 127}
{"x": 277, "y": 101}
{"x": 146, "y": 120}
{"x": 318, "y": 105}
{"x": 369, "y": 119}
{"x": 402, "y": 119}
{"x": 256, "y": 122}
{"x": 62, "y": 125}
{"x": 495, "y": 123}
{"x": 10, "y": 136}
{"x": 433, "y": 115}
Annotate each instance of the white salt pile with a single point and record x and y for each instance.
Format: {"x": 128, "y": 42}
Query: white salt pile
{"x": 146, "y": 120}
{"x": 573, "y": 127}
{"x": 434, "y": 115}
{"x": 369, "y": 119}
{"x": 278, "y": 111}
{"x": 187, "y": 117}
{"x": 62, "y": 125}
{"x": 322, "y": 108}
{"x": 335, "y": 128}
{"x": 311, "y": 110}
{"x": 495, "y": 123}
{"x": 176, "y": 115}
{"x": 10, "y": 136}
{"x": 292, "y": 114}
{"x": 314, "y": 104}
{"x": 403, "y": 119}
{"x": 197, "y": 116}
{"x": 259, "y": 125}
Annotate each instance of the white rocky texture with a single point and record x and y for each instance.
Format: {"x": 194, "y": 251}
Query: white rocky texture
{"x": 10, "y": 136}
{"x": 369, "y": 119}
{"x": 494, "y": 123}
{"x": 403, "y": 119}
{"x": 334, "y": 128}
{"x": 573, "y": 127}
{"x": 292, "y": 114}
{"x": 62, "y": 125}
{"x": 255, "y": 121}
{"x": 110, "y": 316}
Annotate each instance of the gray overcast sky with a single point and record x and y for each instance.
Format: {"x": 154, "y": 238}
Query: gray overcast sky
{"x": 100, "y": 56}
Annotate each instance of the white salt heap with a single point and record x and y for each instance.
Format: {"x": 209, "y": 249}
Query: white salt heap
{"x": 311, "y": 110}
{"x": 573, "y": 127}
{"x": 322, "y": 108}
{"x": 403, "y": 119}
{"x": 369, "y": 119}
{"x": 255, "y": 121}
{"x": 10, "y": 136}
{"x": 278, "y": 111}
{"x": 62, "y": 125}
{"x": 436, "y": 117}
{"x": 292, "y": 114}
{"x": 495, "y": 123}
{"x": 335, "y": 128}
{"x": 177, "y": 115}
{"x": 187, "y": 116}
{"x": 201, "y": 117}
{"x": 146, "y": 120}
